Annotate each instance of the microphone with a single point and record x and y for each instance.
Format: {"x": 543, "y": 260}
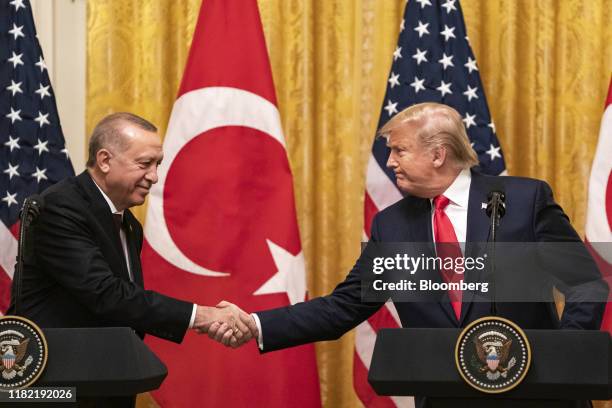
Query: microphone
{"x": 496, "y": 205}
{"x": 30, "y": 210}
{"x": 496, "y": 209}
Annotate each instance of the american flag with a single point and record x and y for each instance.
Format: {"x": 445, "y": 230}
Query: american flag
{"x": 433, "y": 62}
{"x": 32, "y": 150}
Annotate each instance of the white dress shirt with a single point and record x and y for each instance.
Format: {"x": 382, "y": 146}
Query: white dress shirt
{"x": 125, "y": 248}
{"x": 458, "y": 194}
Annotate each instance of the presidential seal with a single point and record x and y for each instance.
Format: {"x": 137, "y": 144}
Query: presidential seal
{"x": 23, "y": 352}
{"x": 493, "y": 354}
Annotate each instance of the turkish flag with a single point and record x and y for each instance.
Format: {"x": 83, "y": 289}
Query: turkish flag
{"x": 221, "y": 222}
{"x": 599, "y": 208}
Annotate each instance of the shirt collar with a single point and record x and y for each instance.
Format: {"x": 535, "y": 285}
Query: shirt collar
{"x": 108, "y": 200}
{"x": 459, "y": 191}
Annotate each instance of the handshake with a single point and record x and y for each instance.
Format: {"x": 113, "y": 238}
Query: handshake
{"x": 225, "y": 323}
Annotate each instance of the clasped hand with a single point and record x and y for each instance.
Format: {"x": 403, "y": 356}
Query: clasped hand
{"x": 225, "y": 323}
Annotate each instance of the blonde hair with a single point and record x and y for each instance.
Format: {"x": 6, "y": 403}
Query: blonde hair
{"x": 439, "y": 126}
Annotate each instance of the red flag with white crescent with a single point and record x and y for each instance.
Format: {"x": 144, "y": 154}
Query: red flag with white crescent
{"x": 599, "y": 208}
{"x": 221, "y": 221}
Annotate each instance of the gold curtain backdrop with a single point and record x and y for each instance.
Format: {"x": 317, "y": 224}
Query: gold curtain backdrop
{"x": 545, "y": 66}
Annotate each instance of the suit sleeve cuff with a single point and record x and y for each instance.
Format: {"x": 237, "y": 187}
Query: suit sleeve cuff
{"x": 260, "y": 334}
{"x": 193, "y": 315}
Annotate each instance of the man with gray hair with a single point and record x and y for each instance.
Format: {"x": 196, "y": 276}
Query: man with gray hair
{"x": 86, "y": 271}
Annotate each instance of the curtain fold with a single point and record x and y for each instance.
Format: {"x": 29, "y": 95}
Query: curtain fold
{"x": 545, "y": 66}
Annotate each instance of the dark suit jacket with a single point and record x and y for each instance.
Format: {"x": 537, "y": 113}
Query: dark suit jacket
{"x": 531, "y": 216}
{"x": 77, "y": 275}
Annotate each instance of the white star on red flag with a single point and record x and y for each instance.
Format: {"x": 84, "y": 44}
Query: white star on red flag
{"x": 290, "y": 277}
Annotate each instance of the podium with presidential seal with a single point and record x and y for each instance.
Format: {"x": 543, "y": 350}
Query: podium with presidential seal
{"x": 59, "y": 365}
{"x": 493, "y": 363}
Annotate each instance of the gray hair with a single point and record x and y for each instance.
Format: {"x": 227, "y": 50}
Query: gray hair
{"x": 107, "y": 134}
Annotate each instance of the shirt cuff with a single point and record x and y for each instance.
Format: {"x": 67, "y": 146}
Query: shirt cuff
{"x": 193, "y": 314}
{"x": 260, "y": 334}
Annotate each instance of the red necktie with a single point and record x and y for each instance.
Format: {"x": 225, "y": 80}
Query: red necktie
{"x": 447, "y": 247}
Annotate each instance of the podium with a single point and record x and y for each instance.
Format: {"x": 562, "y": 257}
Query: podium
{"x": 567, "y": 365}
{"x": 100, "y": 362}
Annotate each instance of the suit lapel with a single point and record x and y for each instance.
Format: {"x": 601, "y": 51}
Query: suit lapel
{"x": 101, "y": 211}
{"x": 419, "y": 218}
{"x": 476, "y": 234}
{"x": 477, "y": 221}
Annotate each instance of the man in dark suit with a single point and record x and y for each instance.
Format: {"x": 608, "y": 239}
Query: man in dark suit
{"x": 431, "y": 156}
{"x": 85, "y": 270}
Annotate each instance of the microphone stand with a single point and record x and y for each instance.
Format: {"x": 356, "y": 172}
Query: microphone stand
{"x": 29, "y": 212}
{"x": 493, "y": 210}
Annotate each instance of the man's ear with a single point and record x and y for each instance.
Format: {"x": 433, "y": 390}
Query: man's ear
{"x": 103, "y": 157}
{"x": 438, "y": 156}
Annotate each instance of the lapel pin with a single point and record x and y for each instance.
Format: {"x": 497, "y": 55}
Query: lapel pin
{"x": 483, "y": 206}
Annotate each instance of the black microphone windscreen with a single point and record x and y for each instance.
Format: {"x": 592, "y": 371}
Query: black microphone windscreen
{"x": 32, "y": 206}
{"x": 497, "y": 187}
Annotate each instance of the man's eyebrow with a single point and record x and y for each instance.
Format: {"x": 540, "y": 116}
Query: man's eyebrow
{"x": 148, "y": 158}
